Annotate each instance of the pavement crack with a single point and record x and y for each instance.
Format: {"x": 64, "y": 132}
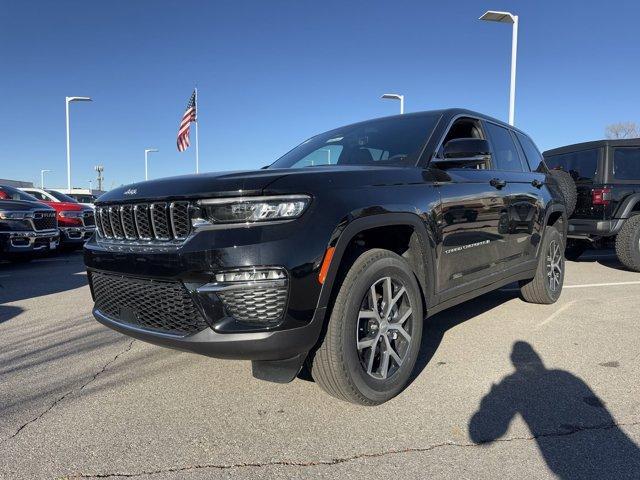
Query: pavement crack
{"x": 61, "y": 398}
{"x": 340, "y": 460}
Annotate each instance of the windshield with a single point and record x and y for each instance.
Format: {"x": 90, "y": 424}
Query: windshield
{"x": 395, "y": 141}
{"x": 61, "y": 196}
{"x": 10, "y": 193}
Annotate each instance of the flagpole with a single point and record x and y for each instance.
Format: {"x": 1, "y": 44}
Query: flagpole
{"x": 197, "y": 122}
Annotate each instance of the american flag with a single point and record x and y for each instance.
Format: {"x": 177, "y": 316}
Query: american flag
{"x": 188, "y": 117}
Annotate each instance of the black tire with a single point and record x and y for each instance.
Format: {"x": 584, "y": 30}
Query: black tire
{"x": 574, "y": 249}
{"x": 628, "y": 244}
{"x": 337, "y": 365}
{"x": 539, "y": 288}
{"x": 568, "y": 189}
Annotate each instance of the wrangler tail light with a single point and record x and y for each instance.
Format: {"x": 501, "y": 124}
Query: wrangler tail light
{"x": 600, "y": 196}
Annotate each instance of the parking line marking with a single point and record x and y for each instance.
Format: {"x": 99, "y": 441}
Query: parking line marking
{"x": 556, "y": 313}
{"x": 586, "y": 285}
{"x": 611, "y": 284}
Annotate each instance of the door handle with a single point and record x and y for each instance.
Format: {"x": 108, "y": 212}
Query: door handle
{"x": 497, "y": 183}
{"x": 537, "y": 183}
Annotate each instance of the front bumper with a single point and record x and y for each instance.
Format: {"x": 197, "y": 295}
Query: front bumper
{"x": 261, "y": 346}
{"x": 296, "y": 247}
{"x": 29, "y": 241}
{"x": 70, "y": 235}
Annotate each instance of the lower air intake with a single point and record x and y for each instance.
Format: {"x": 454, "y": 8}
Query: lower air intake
{"x": 162, "y": 306}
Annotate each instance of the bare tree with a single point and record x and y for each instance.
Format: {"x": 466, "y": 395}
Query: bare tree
{"x": 622, "y": 130}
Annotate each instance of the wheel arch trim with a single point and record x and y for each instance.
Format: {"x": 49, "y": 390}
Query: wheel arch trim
{"x": 344, "y": 235}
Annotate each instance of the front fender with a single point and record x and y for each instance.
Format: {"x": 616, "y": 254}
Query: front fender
{"x": 344, "y": 234}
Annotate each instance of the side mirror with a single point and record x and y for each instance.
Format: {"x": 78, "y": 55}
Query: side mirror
{"x": 464, "y": 153}
{"x": 460, "y": 148}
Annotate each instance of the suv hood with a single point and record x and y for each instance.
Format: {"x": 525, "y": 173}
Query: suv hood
{"x": 216, "y": 184}
{"x": 256, "y": 182}
{"x": 22, "y": 205}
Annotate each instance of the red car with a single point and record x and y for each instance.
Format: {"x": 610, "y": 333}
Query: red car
{"x": 76, "y": 223}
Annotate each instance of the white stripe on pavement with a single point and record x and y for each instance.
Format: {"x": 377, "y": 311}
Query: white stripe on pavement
{"x": 611, "y": 284}
{"x": 586, "y": 285}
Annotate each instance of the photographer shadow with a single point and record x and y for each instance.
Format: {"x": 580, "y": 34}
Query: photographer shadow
{"x": 576, "y": 434}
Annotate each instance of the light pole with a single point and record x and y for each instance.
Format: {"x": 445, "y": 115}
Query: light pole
{"x": 42, "y": 172}
{"x": 507, "y": 17}
{"x": 68, "y": 100}
{"x": 395, "y": 96}
{"x": 90, "y": 187}
{"x": 146, "y": 161}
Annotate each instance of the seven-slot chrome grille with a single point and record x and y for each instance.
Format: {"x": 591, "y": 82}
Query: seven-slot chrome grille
{"x": 156, "y": 221}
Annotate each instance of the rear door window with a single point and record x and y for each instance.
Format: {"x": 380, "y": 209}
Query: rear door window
{"x": 505, "y": 155}
{"x": 626, "y": 163}
{"x": 534, "y": 157}
{"x": 582, "y": 165}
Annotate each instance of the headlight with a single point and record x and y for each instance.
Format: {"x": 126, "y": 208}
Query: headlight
{"x": 249, "y": 210}
{"x": 70, "y": 214}
{"x": 9, "y": 215}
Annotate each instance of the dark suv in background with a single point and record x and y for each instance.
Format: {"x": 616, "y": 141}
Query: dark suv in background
{"x": 334, "y": 254}
{"x": 27, "y": 227}
{"x": 607, "y": 212}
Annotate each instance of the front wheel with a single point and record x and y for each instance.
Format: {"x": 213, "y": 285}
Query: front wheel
{"x": 374, "y": 333}
{"x": 546, "y": 286}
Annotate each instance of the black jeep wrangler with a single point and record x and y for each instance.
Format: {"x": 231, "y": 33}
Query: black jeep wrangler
{"x": 607, "y": 213}
{"x": 335, "y": 253}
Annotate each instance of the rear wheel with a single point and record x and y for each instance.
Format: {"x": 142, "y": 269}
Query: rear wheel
{"x": 374, "y": 332}
{"x": 567, "y": 188}
{"x": 546, "y": 286}
{"x": 628, "y": 244}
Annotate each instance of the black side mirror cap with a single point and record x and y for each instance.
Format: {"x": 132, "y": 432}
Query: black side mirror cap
{"x": 466, "y": 148}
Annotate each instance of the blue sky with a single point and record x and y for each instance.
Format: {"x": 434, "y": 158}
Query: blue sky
{"x": 272, "y": 73}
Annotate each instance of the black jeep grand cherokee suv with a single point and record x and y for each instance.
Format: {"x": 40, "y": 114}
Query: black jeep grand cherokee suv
{"x": 607, "y": 176}
{"x": 336, "y": 252}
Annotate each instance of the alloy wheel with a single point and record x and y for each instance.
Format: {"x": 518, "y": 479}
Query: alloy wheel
{"x": 384, "y": 328}
{"x": 554, "y": 265}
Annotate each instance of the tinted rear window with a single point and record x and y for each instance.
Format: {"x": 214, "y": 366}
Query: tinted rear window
{"x": 626, "y": 163}
{"x": 582, "y": 166}
{"x": 534, "y": 157}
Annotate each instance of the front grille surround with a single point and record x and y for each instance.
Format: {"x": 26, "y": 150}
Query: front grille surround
{"x": 89, "y": 219}
{"x": 116, "y": 223}
{"x": 156, "y": 305}
{"x": 161, "y": 222}
{"x": 44, "y": 220}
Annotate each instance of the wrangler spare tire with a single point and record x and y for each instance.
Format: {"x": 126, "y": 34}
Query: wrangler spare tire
{"x": 568, "y": 189}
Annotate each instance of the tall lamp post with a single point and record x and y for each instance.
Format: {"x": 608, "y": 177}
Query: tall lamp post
{"x": 42, "y": 172}
{"x": 68, "y": 100}
{"x": 507, "y": 17}
{"x": 395, "y": 96}
{"x": 147, "y": 151}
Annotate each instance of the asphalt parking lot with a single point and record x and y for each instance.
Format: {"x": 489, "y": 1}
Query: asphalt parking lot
{"x": 502, "y": 389}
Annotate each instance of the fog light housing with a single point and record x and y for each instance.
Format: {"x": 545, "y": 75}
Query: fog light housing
{"x": 255, "y": 296}
{"x": 253, "y": 275}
